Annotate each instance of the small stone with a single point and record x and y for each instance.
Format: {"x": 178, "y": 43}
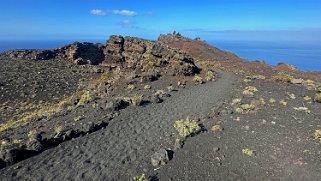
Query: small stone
{"x": 297, "y": 81}
{"x": 217, "y": 128}
{"x": 160, "y": 158}
{"x": 156, "y": 99}
{"x": 178, "y": 143}
{"x": 216, "y": 149}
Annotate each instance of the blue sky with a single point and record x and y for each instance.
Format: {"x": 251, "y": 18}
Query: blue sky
{"x": 209, "y": 19}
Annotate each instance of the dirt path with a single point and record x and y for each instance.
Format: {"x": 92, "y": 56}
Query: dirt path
{"x": 123, "y": 149}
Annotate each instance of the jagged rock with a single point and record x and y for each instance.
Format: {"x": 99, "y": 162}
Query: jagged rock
{"x": 34, "y": 142}
{"x": 127, "y": 53}
{"x": 45, "y": 55}
{"x": 160, "y": 158}
{"x": 132, "y": 75}
{"x": 136, "y": 53}
{"x": 112, "y": 105}
{"x": 148, "y": 78}
{"x": 9, "y": 155}
{"x": 170, "y": 38}
{"x": 81, "y": 53}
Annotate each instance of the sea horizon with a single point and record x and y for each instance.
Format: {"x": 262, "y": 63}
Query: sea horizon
{"x": 304, "y": 55}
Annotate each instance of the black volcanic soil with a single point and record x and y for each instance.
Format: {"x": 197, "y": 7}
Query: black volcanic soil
{"x": 281, "y": 138}
{"x": 27, "y": 85}
{"x": 244, "y": 136}
{"x": 123, "y": 149}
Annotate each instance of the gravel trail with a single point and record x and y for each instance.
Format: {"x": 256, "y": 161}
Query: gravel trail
{"x": 123, "y": 149}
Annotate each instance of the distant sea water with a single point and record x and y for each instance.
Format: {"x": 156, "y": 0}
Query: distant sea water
{"x": 305, "y": 56}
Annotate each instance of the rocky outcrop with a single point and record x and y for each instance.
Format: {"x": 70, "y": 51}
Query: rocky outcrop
{"x": 79, "y": 53}
{"x": 136, "y": 53}
{"x": 151, "y": 57}
{"x": 171, "y": 38}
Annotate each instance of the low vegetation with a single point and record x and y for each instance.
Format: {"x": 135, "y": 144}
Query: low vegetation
{"x": 147, "y": 87}
{"x": 152, "y": 61}
{"x": 236, "y": 101}
{"x": 13, "y": 143}
{"x": 209, "y": 75}
{"x": 272, "y": 100}
{"x": 291, "y": 95}
{"x": 304, "y": 109}
{"x": 140, "y": 178}
{"x": 248, "y": 152}
{"x": 317, "y": 134}
{"x": 85, "y": 98}
{"x": 317, "y": 97}
{"x": 160, "y": 93}
{"x": 250, "y": 90}
{"x": 283, "y": 102}
{"x": 187, "y": 127}
{"x": 131, "y": 87}
{"x": 135, "y": 100}
{"x": 283, "y": 77}
{"x": 207, "y": 65}
{"x": 46, "y": 111}
{"x": 198, "y": 79}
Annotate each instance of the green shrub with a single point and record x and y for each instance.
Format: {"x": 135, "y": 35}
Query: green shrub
{"x": 186, "y": 127}
{"x": 198, "y": 79}
{"x": 209, "y": 75}
{"x": 131, "y": 87}
{"x": 272, "y": 100}
{"x": 134, "y": 100}
{"x": 317, "y": 97}
{"x": 152, "y": 61}
{"x": 160, "y": 92}
{"x": 236, "y": 101}
{"x": 140, "y": 178}
{"x": 146, "y": 87}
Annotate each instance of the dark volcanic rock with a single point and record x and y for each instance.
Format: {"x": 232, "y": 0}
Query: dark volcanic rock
{"x": 122, "y": 52}
{"x": 160, "y": 158}
{"x": 30, "y": 54}
{"x": 81, "y": 53}
{"x": 134, "y": 53}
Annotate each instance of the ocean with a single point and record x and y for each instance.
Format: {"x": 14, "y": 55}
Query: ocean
{"x": 305, "y": 56}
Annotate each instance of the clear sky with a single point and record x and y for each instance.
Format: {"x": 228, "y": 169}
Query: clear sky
{"x": 209, "y": 19}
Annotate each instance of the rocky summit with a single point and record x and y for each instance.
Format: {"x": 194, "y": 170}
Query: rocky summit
{"x": 170, "y": 109}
